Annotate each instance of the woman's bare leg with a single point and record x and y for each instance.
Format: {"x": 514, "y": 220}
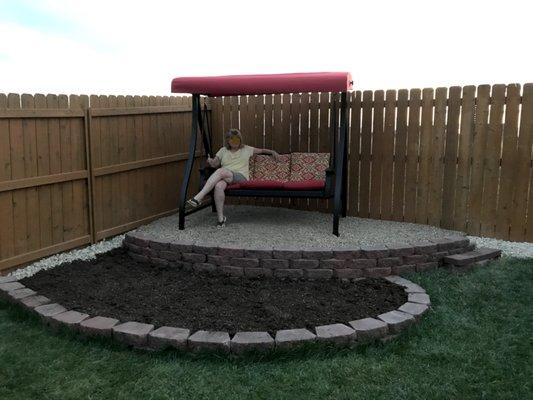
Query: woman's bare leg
{"x": 218, "y": 175}
{"x": 219, "y": 199}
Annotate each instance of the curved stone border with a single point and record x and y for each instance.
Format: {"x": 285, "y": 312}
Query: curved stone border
{"x": 290, "y": 262}
{"x": 147, "y": 336}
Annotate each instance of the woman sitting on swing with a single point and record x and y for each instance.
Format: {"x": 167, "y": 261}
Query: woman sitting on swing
{"x": 233, "y": 161}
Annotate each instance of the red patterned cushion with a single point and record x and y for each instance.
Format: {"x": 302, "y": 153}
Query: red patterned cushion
{"x": 266, "y": 168}
{"x": 304, "y": 185}
{"x": 308, "y": 166}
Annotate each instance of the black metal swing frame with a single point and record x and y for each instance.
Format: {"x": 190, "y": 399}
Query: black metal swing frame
{"x": 336, "y": 175}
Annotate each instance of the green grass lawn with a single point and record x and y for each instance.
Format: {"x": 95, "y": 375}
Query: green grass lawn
{"x": 474, "y": 344}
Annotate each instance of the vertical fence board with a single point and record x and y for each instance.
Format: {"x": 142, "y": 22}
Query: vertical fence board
{"x": 411, "y": 162}
{"x": 491, "y": 164}
{"x": 450, "y": 157}
{"x": 387, "y": 175}
{"x": 366, "y": 151}
{"x": 400, "y": 147}
{"x": 478, "y": 151}
{"x": 313, "y": 136}
{"x": 295, "y": 134}
{"x": 377, "y": 155}
{"x": 436, "y": 158}
{"x": 509, "y": 144}
{"x": 522, "y": 168}
{"x": 426, "y": 141}
{"x": 463, "y": 160}
{"x": 7, "y": 244}
{"x": 30, "y": 170}
{"x": 354, "y": 151}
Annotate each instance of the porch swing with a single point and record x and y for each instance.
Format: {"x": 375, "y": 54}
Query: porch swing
{"x": 334, "y": 185}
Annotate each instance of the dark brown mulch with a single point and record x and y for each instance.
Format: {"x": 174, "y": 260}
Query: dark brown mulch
{"x": 114, "y": 285}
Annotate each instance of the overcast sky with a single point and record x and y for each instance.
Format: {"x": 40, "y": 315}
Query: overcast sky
{"x": 130, "y": 47}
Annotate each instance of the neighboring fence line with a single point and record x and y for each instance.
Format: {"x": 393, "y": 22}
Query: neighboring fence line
{"x": 76, "y": 169}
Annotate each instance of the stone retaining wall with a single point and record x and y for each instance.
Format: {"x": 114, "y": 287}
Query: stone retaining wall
{"x": 290, "y": 262}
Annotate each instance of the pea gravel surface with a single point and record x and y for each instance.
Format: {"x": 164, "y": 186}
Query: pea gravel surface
{"x": 252, "y": 226}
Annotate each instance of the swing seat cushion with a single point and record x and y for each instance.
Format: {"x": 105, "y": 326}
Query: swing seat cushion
{"x": 296, "y": 171}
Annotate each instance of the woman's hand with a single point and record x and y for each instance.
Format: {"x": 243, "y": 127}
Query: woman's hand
{"x": 211, "y": 161}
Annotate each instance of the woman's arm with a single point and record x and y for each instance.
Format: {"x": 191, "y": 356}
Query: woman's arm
{"x": 214, "y": 162}
{"x": 273, "y": 153}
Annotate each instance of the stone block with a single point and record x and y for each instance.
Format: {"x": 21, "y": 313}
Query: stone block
{"x": 292, "y": 273}
{"x": 258, "y": 253}
{"x": 204, "y": 267}
{"x": 19, "y": 294}
{"x": 425, "y": 248}
{"x": 218, "y": 260}
{"x": 98, "y": 326}
{"x": 304, "y": 263}
{"x": 471, "y": 257}
{"x": 245, "y": 262}
{"x": 206, "y": 249}
{"x": 167, "y": 336}
{"x": 375, "y": 251}
{"x": 290, "y": 338}
{"x": 389, "y": 262}
{"x": 47, "y": 311}
{"x": 31, "y": 302}
{"x": 377, "y": 272}
{"x": 335, "y": 333}
{"x": 159, "y": 261}
{"x": 70, "y": 319}
{"x": 346, "y": 254}
{"x": 444, "y": 244}
{"x": 318, "y": 273}
{"x": 368, "y": 329}
{"x": 287, "y": 253}
{"x": 8, "y": 279}
{"x": 347, "y": 273}
{"x": 180, "y": 246}
{"x": 362, "y": 263}
{"x": 159, "y": 244}
{"x": 333, "y": 263}
{"x": 415, "y": 309}
{"x": 251, "y": 341}
{"x": 230, "y": 270}
{"x": 229, "y": 251}
{"x": 421, "y": 298}
{"x": 170, "y": 255}
{"x": 400, "y": 250}
{"x": 132, "y": 333}
{"x": 273, "y": 263}
{"x": 397, "y": 320}
{"x": 193, "y": 257}
{"x": 9, "y": 286}
{"x": 414, "y": 259}
{"x": 317, "y": 254}
{"x": 209, "y": 340}
{"x": 134, "y": 248}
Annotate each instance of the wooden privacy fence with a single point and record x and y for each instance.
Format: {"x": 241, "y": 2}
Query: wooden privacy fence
{"x": 77, "y": 169}
{"x": 458, "y": 158}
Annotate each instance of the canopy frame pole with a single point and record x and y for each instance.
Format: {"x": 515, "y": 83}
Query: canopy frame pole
{"x": 190, "y": 160}
{"x": 345, "y": 156}
{"x": 338, "y": 196}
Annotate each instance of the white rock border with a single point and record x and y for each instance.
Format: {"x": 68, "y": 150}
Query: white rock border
{"x": 141, "y": 335}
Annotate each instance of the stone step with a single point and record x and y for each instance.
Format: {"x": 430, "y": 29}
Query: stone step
{"x": 479, "y": 254}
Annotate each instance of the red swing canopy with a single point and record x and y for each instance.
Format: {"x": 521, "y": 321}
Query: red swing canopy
{"x": 233, "y": 85}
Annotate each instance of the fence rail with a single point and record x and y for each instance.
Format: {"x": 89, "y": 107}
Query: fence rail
{"x": 77, "y": 169}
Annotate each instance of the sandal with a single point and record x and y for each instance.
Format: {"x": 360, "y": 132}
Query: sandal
{"x": 193, "y": 203}
{"x": 221, "y": 224}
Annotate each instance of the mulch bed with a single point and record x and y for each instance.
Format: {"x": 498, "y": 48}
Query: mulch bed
{"x": 114, "y": 285}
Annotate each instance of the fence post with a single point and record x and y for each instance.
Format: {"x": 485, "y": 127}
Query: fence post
{"x": 90, "y": 177}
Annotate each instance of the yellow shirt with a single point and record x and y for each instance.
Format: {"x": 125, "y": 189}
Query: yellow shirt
{"x": 236, "y": 161}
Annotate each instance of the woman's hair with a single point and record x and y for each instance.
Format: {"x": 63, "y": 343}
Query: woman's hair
{"x": 229, "y": 134}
